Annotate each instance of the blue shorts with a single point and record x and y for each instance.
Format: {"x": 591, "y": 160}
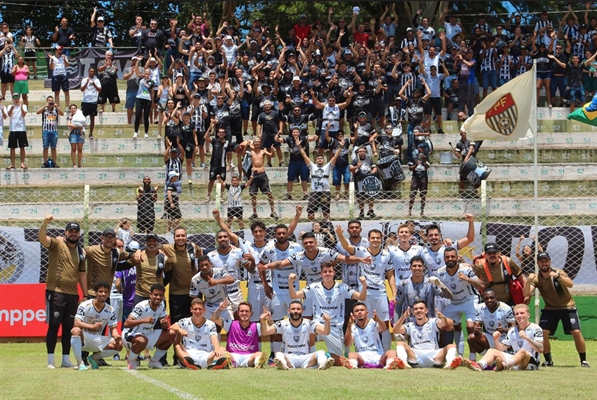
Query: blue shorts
{"x": 577, "y": 92}
{"x": 340, "y": 172}
{"x": 75, "y": 138}
{"x": 60, "y": 82}
{"x": 489, "y": 78}
{"x": 268, "y": 141}
{"x": 49, "y": 139}
{"x": 298, "y": 168}
{"x": 323, "y": 144}
{"x": 543, "y": 75}
{"x": 131, "y": 97}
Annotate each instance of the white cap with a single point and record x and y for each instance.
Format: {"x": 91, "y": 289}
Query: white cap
{"x": 228, "y": 37}
{"x": 296, "y": 78}
{"x": 173, "y": 173}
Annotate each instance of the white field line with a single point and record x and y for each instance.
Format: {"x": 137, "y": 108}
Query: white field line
{"x": 165, "y": 386}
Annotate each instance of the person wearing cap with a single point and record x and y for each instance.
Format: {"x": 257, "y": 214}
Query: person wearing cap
{"x": 302, "y": 29}
{"x": 63, "y": 35}
{"x": 554, "y": 286}
{"x": 171, "y": 206}
{"x": 492, "y": 261}
{"x": 102, "y": 36}
{"x": 66, "y": 272}
{"x": 58, "y": 64}
{"x": 17, "y": 137}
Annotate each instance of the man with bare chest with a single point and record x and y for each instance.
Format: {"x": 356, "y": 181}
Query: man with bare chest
{"x": 260, "y": 179}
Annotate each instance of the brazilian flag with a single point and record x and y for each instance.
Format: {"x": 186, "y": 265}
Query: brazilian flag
{"x": 587, "y": 113}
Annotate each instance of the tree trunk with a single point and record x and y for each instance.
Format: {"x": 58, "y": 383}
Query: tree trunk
{"x": 431, "y": 9}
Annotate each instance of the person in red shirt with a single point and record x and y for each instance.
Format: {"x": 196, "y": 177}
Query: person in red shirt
{"x": 360, "y": 36}
{"x": 302, "y": 29}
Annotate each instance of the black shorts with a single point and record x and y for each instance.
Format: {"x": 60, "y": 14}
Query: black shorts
{"x": 215, "y": 171}
{"x": 420, "y": 183}
{"x": 89, "y": 109}
{"x": 6, "y": 77}
{"x": 180, "y": 307}
{"x": 60, "y": 306}
{"x": 189, "y": 150}
{"x": 200, "y": 138}
{"x": 30, "y": 55}
{"x": 317, "y": 200}
{"x": 172, "y": 212}
{"x": 433, "y": 104}
{"x": 17, "y": 140}
{"x": 108, "y": 93}
{"x": 235, "y": 212}
{"x": 550, "y": 318}
{"x": 60, "y": 82}
{"x": 377, "y": 107}
{"x": 260, "y": 182}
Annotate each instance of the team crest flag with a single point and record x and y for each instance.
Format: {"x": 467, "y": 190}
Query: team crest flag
{"x": 587, "y": 113}
{"x": 507, "y": 113}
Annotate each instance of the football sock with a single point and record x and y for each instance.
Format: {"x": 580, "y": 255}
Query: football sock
{"x": 482, "y": 364}
{"x": 451, "y": 355}
{"x": 75, "y": 342}
{"x": 159, "y": 354}
{"x": 355, "y": 363}
{"x": 105, "y": 354}
{"x": 50, "y": 358}
{"x": 65, "y": 358}
{"x": 386, "y": 340}
{"x": 133, "y": 356}
{"x": 458, "y": 341}
{"x": 472, "y": 356}
{"x": 321, "y": 358}
{"x": 401, "y": 353}
{"x": 547, "y": 357}
{"x": 583, "y": 357}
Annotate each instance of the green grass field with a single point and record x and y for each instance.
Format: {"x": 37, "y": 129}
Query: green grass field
{"x": 24, "y": 376}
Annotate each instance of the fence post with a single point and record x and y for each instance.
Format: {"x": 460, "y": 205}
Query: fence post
{"x": 86, "y": 215}
{"x": 483, "y": 212}
{"x": 351, "y": 195}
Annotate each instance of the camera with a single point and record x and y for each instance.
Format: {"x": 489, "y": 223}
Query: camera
{"x": 51, "y": 103}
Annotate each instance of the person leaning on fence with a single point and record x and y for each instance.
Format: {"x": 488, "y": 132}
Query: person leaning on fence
{"x": 554, "y": 284}
{"x": 66, "y": 270}
{"x": 146, "y": 197}
{"x": 496, "y": 271}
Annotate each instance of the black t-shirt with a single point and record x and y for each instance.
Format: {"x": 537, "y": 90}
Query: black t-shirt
{"x": 342, "y": 160}
{"x": 463, "y": 147}
{"x": 300, "y": 122}
{"x": 152, "y": 39}
{"x": 415, "y": 112}
{"x": 222, "y": 114}
{"x": 218, "y": 156}
{"x": 269, "y": 122}
{"x": 63, "y": 36}
{"x": 293, "y": 149}
{"x": 387, "y": 144}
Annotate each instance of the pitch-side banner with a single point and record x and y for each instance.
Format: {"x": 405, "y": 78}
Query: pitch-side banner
{"x": 24, "y": 261}
{"x": 506, "y": 113}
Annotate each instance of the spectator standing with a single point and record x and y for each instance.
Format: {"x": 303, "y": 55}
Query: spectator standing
{"x": 152, "y": 40}
{"x": 386, "y": 23}
{"x": 74, "y": 121}
{"x": 132, "y": 86}
{"x": 8, "y": 58}
{"x": 58, "y": 65}
{"x": 64, "y": 36}
{"x": 49, "y": 128}
{"x": 420, "y": 179}
{"x": 558, "y": 72}
{"x": 361, "y": 167}
{"x": 109, "y": 78}
{"x": 91, "y": 87}
{"x": 102, "y": 37}
{"x": 136, "y": 31}
{"x": 171, "y": 205}
{"x": 20, "y": 72}
{"x": 466, "y": 81}
{"x": 5, "y": 34}
{"x": 146, "y": 197}
{"x": 17, "y": 138}
{"x": 30, "y": 43}
{"x": 143, "y": 99}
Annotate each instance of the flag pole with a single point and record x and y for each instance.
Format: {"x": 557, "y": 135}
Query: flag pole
{"x": 536, "y": 186}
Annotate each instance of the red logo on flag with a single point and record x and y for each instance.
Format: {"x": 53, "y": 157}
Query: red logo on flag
{"x": 503, "y": 115}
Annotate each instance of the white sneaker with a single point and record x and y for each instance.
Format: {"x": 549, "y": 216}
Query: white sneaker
{"x": 132, "y": 363}
{"x": 155, "y": 364}
{"x": 146, "y": 136}
{"x": 135, "y": 135}
{"x": 67, "y": 364}
{"x": 328, "y": 364}
{"x": 281, "y": 364}
{"x": 51, "y": 366}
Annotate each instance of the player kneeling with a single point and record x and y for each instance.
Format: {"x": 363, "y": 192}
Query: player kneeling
{"x": 423, "y": 348}
{"x": 295, "y": 333}
{"x": 525, "y": 339}
{"x": 365, "y": 332}
{"x": 243, "y": 336}
{"x": 197, "y": 345}
{"x": 139, "y": 328}
{"x": 91, "y": 319}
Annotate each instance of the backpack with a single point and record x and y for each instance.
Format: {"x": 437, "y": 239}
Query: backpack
{"x": 49, "y": 164}
{"x": 514, "y": 284}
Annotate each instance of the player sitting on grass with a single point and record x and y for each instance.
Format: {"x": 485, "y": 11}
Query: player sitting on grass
{"x": 197, "y": 344}
{"x": 365, "y": 332}
{"x": 423, "y": 349}
{"x": 91, "y": 319}
{"x": 139, "y": 328}
{"x": 295, "y": 333}
{"x": 243, "y": 336}
{"x": 525, "y": 339}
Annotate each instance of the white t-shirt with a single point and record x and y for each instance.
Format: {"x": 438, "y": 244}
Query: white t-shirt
{"x": 199, "y": 337}
{"x": 367, "y": 338}
{"x": 87, "y": 314}
{"x": 423, "y": 337}
{"x": 17, "y": 120}
{"x": 374, "y": 273}
{"x": 312, "y": 267}
{"x": 320, "y": 181}
{"x": 296, "y": 339}
{"x": 329, "y": 301}
{"x": 90, "y": 94}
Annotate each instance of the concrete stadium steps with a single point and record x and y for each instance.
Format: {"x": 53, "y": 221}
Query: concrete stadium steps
{"x": 583, "y": 208}
{"x": 133, "y": 176}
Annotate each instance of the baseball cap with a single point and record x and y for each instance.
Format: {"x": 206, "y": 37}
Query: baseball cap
{"x": 196, "y": 96}
{"x": 152, "y": 59}
{"x": 267, "y": 102}
{"x": 72, "y": 225}
{"x": 228, "y": 37}
{"x": 296, "y": 78}
{"x": 409, "y": 29}
{"x": 543, "y": 254}
{"x": 491, "y": 246}
{"x": 303, "y": 16}
{"x": 16, "y": 95}
{"x": 151, "y": 236}
{"x": 253, "y": 42}
{"x": 172, "y": 174}
{"x": 100, "y": 19}
{"x": 108, "y": 232}
{"x": 544, "y": 13}
{"x": 362, "y": 114}
{"x": 200, "y": 79}
{"x": 174, "y": 150}
{"x": 59, "y": 48}
{"x": 133, "y": 245}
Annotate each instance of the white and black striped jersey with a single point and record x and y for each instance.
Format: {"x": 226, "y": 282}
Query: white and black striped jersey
{"x": 489, "y": 60}
{"x": 88, "y": 314}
